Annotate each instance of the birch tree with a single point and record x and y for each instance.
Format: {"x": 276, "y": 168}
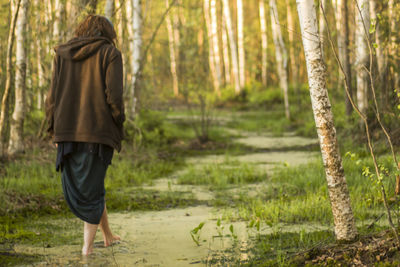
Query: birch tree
{"x": 59, "y": 10}
{"x": 211, "y": 60}
{"x": 215, "y": 41}
{"x": 264, "y": 42}
{"x": 362, "y": 53}
{"x": 280, "y": 55}
{"x": 342, "y": 28}
{"x": 345, "y": 228}
{"x": 172, "y": 51}
{"x": 393, "y": 42}
{"x": 16, "y": 144}
{"x": 240, "y": 36}
{"x": 225, "y": 50}
{"x": 7, "y": 89}
{"x": 109, "y": 9}
{"x": 135, "y": 49}
{"x": 233, "y": 46}
{"x": 40, "y": 72}
{"x": 322, "y": 27}
{"x": 291, "y": 31}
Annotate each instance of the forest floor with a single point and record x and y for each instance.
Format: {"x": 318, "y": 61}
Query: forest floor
{"x": 264, "y": 204}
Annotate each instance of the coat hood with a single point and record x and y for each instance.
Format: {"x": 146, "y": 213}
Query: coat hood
{"x": 80, "y": 48}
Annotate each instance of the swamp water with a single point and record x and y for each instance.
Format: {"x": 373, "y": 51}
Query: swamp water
{"x": 162, "y": 238}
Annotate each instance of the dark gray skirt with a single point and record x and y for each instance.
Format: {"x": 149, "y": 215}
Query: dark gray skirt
{"x": 83, "y": 185}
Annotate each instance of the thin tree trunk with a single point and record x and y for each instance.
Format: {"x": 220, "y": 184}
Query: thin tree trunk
{"x": 16, "y": 144}
{"x": 215, "y": 41}
{"x": 57, "y": 24}
{"x": 362, "y": 54}
{"x": 109, "y": 9}
{"x": 225, "y": 45}
{"x": 393, "y": 43}
{"x": 4, "y": 101}
{"x": 242, "y": 68}
{"x": 232, "y": 43}
{"x": 342, "y": 27}
{"x": 177, "y": 38}
{"x": 172, "y": 52}
{"x": 345, "y": 228}
{"x": 322, "y": 25}
{"x": 40, "y": 72}
{"x": 281, "y": 55}
{"x": 136, "y": 52}
{"x": 211, "y": 60}
{"x": 264, "y": 42}
{"x": 291, "y": 30}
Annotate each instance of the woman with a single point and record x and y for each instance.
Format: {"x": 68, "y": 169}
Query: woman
{"x": 85, "y": 113}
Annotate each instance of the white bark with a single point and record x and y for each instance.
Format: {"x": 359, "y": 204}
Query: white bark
{"x": 211, "y": 60}
{"x": 322, "y": 27}
{"x": 342, "y": 28}
{"x": 338, "y": 193}
{"x": 362, "y": 53}
{"x": 16, "y": 144}
{"x": 264, "y": 42}
{"x": 232, "y": 43}
{"x": 381, "y": 55}
{"x": 225, "y": 46}
{"x": 109, "y": 9}
{"x": 57, "y": 23}
{"x": 215, "y": 41}
{"x": 40, "y": 72}
{"x": 291, "y": 30}
{"x": 280, "y": 54}
{"x": 172, "y": 51}
{"x": 134, "y": 15}
{"x": 242, "y": 69}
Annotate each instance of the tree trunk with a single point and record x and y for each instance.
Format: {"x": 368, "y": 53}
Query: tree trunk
{"x": 264, "y": 42}
{"x": 362, "y": 54}
{"x": 291, "y": 30}
{"x": 337, "y": 187}
{"x": 280, "y": 54}
{"x": 57, "y": 23}
{"x": 40, "y": 72}
{"x": 4, "y": 101}
{"x": 211, "y": 60}
{"x": 242, "y": 69}
{"x": 109, "y": 9}
{"x": 393, "y": 43}
{"x": 322, "y": 25}
{"x": 136, "y": 51}
{"x": 215, "y": 41}
{"x": 225, "y": 46}
{"x": 342, "y": 27}
{"x": 232, "y": 43}
{"x": 172, "y": 51}
{"x": 16, "y": 144}
{"x": 381, "y": 53}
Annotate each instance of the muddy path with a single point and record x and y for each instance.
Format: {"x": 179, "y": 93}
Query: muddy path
{"x": 162, "y": 238}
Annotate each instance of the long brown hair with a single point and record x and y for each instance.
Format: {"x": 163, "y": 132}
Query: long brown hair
{"x": 96, "y": 25}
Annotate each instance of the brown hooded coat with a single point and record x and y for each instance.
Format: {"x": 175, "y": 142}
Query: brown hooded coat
{"x": 84, "y": 102}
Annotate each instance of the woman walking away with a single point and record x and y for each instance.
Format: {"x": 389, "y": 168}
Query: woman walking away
{"x": 85, "y": 114}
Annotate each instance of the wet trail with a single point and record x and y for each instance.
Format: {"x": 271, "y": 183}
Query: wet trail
{"x": 162, "y": 238}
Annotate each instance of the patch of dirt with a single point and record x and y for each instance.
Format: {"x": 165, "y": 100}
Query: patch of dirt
{"x": 367, "y": 251}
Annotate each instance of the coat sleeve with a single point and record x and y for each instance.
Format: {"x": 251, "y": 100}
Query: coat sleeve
{"x": 114, "y": 89}
{"x": 50, "y": 99}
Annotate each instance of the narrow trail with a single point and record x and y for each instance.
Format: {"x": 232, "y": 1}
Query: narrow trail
{"x": 162, "y": 238}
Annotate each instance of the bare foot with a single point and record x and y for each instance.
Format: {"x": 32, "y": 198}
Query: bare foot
{"x": 86, "y": 250}
{"x": 110, "y": 239}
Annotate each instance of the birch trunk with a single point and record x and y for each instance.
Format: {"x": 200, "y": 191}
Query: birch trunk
{"x": 393, "y": 42}
{"x": 40, "y": 72}
{"x": 232, "y": 43}
{"x": 215, "y": 41}
{"x": 16, "y": 144}
{"x": 264, "y": 42}
{"x": 242, "y": 69}
{"x": 362, "y": 53}
{"x": 177, "y": 38}
{"x": 109, "y": 9}
{"x": 225, "y": 46}
{"x": 280, "y": 54}
{"x": 342, "y": 28}
{"x": 322, "y": 27}
{"x": 136, "y": 51}
{"x": 211, "y": 55}
{"x": 57, "y": 23}
{"x": 172, "y": 51}
{"x": 4, "y": 101}
{"x": 291, "y": 30}
{"x": 338, "y": 192}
